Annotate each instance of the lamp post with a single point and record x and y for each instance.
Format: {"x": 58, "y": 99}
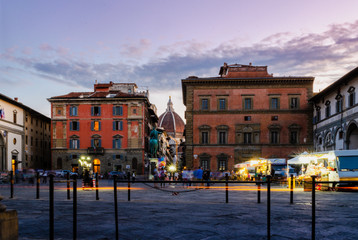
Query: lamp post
{"x": 85, "y": 162}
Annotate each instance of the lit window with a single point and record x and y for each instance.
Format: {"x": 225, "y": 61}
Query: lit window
{"x": 96, "y": 126}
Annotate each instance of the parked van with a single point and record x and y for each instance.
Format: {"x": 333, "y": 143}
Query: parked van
{"x": 340, "y": 165}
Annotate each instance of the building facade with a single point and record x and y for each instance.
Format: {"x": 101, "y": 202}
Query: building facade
{"x": 336, "y": 115}
{"x": 110, "y": 126}
{"x": 243, "y": 114}
{"x": 24, "y": 136}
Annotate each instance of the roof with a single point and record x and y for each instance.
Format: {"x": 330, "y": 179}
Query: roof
{"x": 100, "y": 94}
{"x": 26, "y": 108}
{"x": 335, "y": 86}
{"x": 260, "y": 81}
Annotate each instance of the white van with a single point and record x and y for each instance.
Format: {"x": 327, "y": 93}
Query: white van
{"x": 340, "y": 165}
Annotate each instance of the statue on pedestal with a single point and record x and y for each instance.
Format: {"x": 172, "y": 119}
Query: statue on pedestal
{"x": 154, "y": 143}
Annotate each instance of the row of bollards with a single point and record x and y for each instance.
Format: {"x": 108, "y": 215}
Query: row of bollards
{"x": 68, "y": 181}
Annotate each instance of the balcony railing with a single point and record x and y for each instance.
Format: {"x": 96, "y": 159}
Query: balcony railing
{"x": 95, "y": 150}
{"x": 59, "y": 143}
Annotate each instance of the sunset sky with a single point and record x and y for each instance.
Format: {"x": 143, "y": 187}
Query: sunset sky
{"x": 50, "y": 48}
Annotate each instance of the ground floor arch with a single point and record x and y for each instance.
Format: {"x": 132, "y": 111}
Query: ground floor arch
{"x": 352, "y": 136}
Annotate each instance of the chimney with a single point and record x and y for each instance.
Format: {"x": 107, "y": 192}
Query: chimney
{"x": 16, "y": 99}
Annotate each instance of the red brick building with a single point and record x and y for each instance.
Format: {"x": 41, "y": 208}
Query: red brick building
{"x": 243, "y": 114}
{"x": 110, "y": 125}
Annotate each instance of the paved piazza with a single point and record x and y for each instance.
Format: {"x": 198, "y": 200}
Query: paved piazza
{"x": 194, "y": 214}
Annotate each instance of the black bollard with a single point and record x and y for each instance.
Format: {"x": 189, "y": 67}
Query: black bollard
{"x": 12, "y": 184}
{"x": 68, "y": 186}
{"x": 227, "y": 187}
{"x": 291, "y": 189}
{"x": 52, "y": 234}
{"x": 74, "y": 207}
{"x": 259, "y": 191}
{"x": 115, "y": 204}
{"x": 97, "y": 193}
{"x": 268, "y": 207}
{"x": 129, "y": 186}
{"x": 313, "y": 207}
{"x": 37, "y": 185}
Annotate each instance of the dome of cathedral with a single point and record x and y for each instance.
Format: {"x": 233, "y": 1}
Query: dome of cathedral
{"x": 171, "y": 122}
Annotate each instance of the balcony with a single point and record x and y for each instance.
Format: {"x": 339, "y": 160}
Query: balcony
{"x": 95, "y": 151}
{"x": 59, "y": 143}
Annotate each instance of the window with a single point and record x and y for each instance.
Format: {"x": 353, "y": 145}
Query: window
{"x": 117, "y": 143}
{"x": 274, "y": 103}
{"x": 328, "y": 109}
{"x": 204, "y": 104}
{"x": 74, "y": 143}
{"x": 205, "y": 164}
{"x": 32, "y": 140}
{"x": 96, "y": 142}
{"x": 352, "y": 97}
{"x": 247, "y": 138}
{"x": 117, "y": 111}
{"x": 222, "y": 104}
{"x": 293, "y": 137}
{"x": 274, "y": 118}
{"x": 247, "y": 118}
{"x": 318, "y": 114}
{"x": 339, "y": 103}
{"x": 95, "y": 111}
{"x": 117, "y": 125}
{"x": 222, "y": 137}
{"x": 15, "y": 116}
{"x": 96, "y": 125}
{"x": 204, "y": 137}
{"x": 294, "y": 103}
{"x": 134, "y": 111}
{"x": 222, "y": 162}
{"x": 26, "y": 139}
{"x": 74, "y": 126}
{"x": 222, "y": 134}
{"x": 274, "y": 137}
{"x": 248, "y": 103}
{"x": 204, "y": 134}
{"x": 294, "y": 133}
{"x": 73, "y": 111}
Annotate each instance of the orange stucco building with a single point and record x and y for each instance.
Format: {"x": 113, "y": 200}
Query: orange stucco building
{"x": 109, "y": 125}
{"x": 245, "y": 113}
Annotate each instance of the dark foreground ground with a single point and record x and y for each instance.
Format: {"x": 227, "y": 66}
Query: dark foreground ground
{"x": 194, "y": 214}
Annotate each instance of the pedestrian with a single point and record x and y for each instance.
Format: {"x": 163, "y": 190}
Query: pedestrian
{"x": 162, "y": 176}
{"x": 133, "y": 176}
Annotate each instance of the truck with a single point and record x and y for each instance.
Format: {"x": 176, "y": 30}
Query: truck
{"x": 338, "y": 166}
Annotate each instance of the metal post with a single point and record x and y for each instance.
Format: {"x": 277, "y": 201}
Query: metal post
{"x": 259, "y": 191}
{"x": 129, "y": 186}
{"x": 291, "y": 189}
{"x": 74, "y": 207}
{"x": 115, "y": 204}
{"x": 12, "y": 184}
{"x": 313, "y": 208}
{"x": 68, "y": 186}
{"x": 227, "y": 187}
{"x": 268, "y": 207}
{"x": 37, "y": 185}
{"x": 97, "y": 193}
{"x": 52, "y": 236}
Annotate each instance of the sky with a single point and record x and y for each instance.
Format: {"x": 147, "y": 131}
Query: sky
{"x": 51, "y": 48}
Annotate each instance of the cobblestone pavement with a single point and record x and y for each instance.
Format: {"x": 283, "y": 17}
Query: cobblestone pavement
{"x": 190, "y": 214}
